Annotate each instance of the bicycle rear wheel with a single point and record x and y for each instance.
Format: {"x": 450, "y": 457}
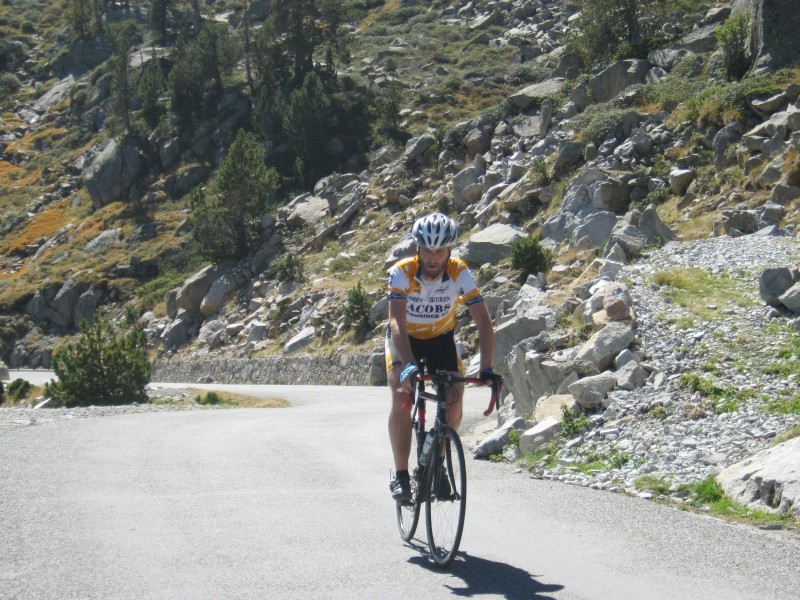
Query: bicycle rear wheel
{"x": 408, "y": 512}
{"x": 445, "y": 509}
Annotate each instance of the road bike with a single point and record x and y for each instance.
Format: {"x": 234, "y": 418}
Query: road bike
{"x": 437, "y": 468}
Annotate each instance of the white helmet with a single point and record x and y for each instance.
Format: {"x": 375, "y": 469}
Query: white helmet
{"x": 434, "y": 231}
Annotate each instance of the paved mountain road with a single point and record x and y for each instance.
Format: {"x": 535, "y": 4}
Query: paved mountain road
{"x": 293, "y": 503}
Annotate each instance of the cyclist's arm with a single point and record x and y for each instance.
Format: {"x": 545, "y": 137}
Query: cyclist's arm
{"x": 398, "y": 325}
{"x": 483, "y": 321}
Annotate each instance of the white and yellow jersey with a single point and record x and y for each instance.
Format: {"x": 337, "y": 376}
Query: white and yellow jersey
{"x": 431, "y": 306}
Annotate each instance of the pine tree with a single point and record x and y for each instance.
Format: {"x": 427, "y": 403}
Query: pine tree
{"x": 122, "y": 36}
{"x": 606, "y": 26}
{"x": 227, "y": 218}
{"x": 103, "y": 366}
{"x": 306, "y": 123}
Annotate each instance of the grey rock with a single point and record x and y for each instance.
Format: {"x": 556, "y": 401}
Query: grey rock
{"x": 791, "y": 298}
{"x": 113, "y": 171}
{"x": 190, "y": 295}
{"x": 679, "y": 180}
{"x": 607, "y": 84}
{"x": 728, "y": 135}
{"x": 221, "y": 288}
{"x": 590, "y": 391}
{"x": 774, "y": 282}
{"x": 774, "y": 30}
{"x": 302, "y": 339}
{"x": 703, "y": 39}
{"x": 491, "y": 244}
{"x": 631, "y": 376}
{"x": 416, "y": 148}
{"x": 604, "y": 345}
{"x": 539, "y": 435}
{"x": 535, "y": 94}
{"x": 499, "y": 439}
{"x": 307, "y": 211}
{"x": 768, "y": 480}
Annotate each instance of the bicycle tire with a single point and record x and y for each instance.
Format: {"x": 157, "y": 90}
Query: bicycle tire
{"x": 408, "y": 513}
{"x": 444, "y": 516}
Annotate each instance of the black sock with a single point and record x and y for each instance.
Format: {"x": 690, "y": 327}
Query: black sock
{"x": 402, "y": 475}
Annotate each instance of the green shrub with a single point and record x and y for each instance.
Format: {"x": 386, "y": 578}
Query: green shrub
{"x": 18, "y": 389}
{"x": 2, "y": 393}
{"x": 8, "y": 85}
{"x": 572, "y": 424}
{"x": 290, "y": 267}
{"x": 529, "y": 256}
{"x": 707, "y": 491}
{"x": 671, "y": 91}
{"x": 584, "y": 331}
{"x": 599, "y": 121}
{"x": 619, "y": 459}
{"x": 539, "y": 173}
{"x": 103, "y": 366}
{"x": 720, "y": 104}
{"x": 657, "y": 196}
{"x": 357, "y": 309}
{"x": 209, "y": 399}
{"x": 732, "y": 37}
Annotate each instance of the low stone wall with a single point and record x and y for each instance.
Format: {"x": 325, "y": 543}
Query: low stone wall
{"x": 337, "y": 369}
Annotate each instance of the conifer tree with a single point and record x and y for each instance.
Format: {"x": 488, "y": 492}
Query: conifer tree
{"x": 103, "y": 367}
{"x": 227, "y": 217}
{"x": 122, "y": 36}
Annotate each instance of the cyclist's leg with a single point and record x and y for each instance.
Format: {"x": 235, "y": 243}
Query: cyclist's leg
{"x": 399, "y": 421}
{"x": 447, "y": 357}
{"x": 455, "y": 395}
{"x": 400, "y": 413}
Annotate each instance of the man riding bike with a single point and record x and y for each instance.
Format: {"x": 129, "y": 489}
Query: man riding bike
{"x": 424, "y": 293}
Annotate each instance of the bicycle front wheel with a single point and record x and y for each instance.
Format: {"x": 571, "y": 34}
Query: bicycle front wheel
{"x": 408, "y": 512}
{"x": 446, "y": 504}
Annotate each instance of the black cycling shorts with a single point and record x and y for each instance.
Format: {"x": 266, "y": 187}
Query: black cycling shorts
{"x": 439, "y": 353}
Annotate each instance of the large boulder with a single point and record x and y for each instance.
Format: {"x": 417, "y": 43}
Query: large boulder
{"x": 774, "y": 32}
{"x": 512, "y": 332}
{"x": 190, "y": 295}
{"x": 535, "y": 94}
{"x": 607, "y": 84}
{"x": 466, "y": 186}
{"x": 416, "y": 148}
{"x": 654, "y": 230}
{"x": 791, "y": 298}
{"x": 499, "y": 439}
{"x": 307, "y": 211}
{"x": 491, "y": 244}
{"x": 590, "y": 391}
{"x": 604, "y": 345}
{"x": 216, "y": 295}
{"x": 769, "y": 480}
{"x": 728, "y": 135}
{"x": 775, "y": 282}
{"x": 113, "y": 171}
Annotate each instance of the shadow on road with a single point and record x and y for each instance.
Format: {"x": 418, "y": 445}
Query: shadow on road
{"x": 482, "y": 576}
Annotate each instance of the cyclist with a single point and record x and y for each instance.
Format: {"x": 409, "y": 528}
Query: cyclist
{"x": 424, "y": 292}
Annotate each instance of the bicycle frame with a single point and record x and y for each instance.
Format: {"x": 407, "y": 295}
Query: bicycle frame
{"x": 440, "y": 379}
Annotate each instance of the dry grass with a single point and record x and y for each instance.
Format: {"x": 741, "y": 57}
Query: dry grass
{"x": 43, "y": 225}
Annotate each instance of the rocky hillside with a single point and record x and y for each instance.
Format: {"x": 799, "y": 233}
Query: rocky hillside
{"x": 517, "y": 125}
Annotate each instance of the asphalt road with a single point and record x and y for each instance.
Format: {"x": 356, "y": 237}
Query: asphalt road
{"x": 294, "y": 503}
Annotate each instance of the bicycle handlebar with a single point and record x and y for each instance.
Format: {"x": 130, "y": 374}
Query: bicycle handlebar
{"x": 496, "y": 385}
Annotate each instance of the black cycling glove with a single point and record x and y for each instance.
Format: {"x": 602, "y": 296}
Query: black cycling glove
{"x": 488, "y": 376}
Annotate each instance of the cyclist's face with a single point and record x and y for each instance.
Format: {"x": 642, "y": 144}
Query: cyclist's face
{"x": 433, "y": 262}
